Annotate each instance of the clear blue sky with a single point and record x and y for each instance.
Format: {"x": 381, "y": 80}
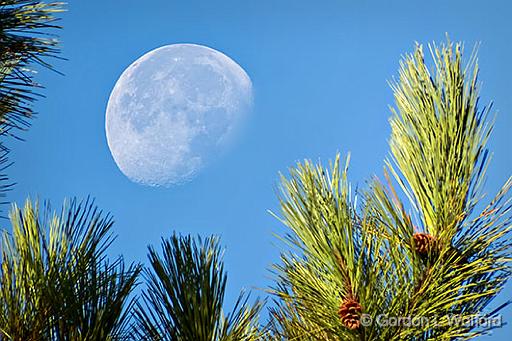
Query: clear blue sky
{"x": 319, "y": 71}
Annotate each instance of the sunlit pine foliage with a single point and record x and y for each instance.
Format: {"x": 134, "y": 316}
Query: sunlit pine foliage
{"x": 55, "y": 280}
{"x": 430, "y": 248}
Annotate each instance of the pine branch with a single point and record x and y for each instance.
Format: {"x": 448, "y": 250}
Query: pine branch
{"x": 347, "y": 262}
{"x": 25, "y": 43}
{"x": 183, "y": 301}
{"x": 339, "y": 267}
{"x": 56, "y": 283}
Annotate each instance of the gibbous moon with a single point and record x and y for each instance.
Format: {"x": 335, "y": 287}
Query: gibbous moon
{"x": 173, "y": 111}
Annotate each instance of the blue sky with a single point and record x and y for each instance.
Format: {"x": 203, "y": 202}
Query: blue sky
{"x": 319, "y": 71}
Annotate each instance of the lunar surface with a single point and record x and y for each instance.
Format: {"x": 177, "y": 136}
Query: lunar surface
{"x": 173, "y": 111}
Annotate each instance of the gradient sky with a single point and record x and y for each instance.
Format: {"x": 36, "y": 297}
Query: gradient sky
{"x": 320, "y": 79}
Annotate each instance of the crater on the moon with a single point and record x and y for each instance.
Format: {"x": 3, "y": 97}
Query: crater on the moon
{"x": 173, "y": 110}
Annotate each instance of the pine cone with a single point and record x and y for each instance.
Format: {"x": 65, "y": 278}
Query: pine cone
{"x": 350, "y": 313}
{"x": 424, "y": 243}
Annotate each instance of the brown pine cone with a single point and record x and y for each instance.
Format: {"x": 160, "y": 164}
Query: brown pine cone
{"x": 350, "y": 313}
{"x": 424, "y": 243}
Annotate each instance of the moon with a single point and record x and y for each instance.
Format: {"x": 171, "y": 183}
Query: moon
{"x": 173, "y": 111}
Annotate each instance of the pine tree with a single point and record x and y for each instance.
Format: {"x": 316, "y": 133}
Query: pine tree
{"x": 421, "y": 244}
{"x": 185, "y": 295}
{"x": 56, "y": 282}
{"x": 25, "y": 41}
